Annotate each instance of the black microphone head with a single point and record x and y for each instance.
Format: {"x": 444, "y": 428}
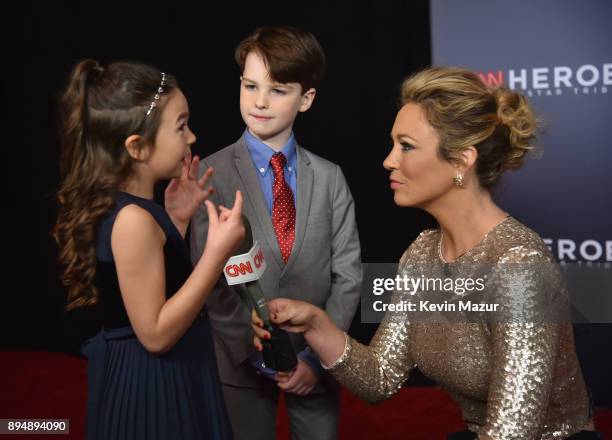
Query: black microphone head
{"x": 247, "y": 242}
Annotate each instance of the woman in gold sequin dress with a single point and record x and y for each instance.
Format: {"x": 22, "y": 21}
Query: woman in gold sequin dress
{"x": 514, "y": 379}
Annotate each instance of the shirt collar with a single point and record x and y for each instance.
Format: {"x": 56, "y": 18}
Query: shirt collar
{"x": 261, "y": 153}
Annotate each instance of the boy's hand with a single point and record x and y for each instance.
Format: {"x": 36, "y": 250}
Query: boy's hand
{"x": 183, "y": 196}
{"x": 301, "y": 381}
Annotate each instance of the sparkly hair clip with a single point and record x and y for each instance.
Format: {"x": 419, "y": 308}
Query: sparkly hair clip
{"x": 160, "y": 90}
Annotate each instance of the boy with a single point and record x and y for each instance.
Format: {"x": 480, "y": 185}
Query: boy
{"x": 302, "y": 214}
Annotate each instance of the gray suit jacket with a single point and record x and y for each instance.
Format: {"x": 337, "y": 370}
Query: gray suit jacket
{"x": 325, "y": 263}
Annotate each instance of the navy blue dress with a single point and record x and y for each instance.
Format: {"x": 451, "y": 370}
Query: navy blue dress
{"x": 133, "y": 394}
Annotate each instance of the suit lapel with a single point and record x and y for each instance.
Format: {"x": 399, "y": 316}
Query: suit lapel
{"x": 253, "y": 193}
{"x": 305, "y": 180}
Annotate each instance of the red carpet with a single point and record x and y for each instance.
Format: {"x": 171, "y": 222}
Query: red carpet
{"x": 53, "y": 385}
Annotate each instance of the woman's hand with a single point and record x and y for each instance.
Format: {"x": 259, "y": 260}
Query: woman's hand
{"x": 320, "y": 333}
{"x": 183, "y": 196}
{"x": 290, "y": 315}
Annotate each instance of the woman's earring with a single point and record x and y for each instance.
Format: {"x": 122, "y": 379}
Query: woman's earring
{"x": 458, "y": 180}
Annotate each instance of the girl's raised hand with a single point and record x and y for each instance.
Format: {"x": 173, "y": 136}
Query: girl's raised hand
{"x": 183, "y": 196}
{"x": 225, "y": 230}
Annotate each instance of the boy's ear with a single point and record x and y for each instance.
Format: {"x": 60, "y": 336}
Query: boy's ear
{"x": 307, "y": 99}
{"x": 135, "y": 148}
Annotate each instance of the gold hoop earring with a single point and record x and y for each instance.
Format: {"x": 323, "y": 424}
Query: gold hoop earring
{"x": 458, "y": 180}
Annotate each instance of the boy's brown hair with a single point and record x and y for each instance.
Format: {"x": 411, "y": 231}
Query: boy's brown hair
{"x": 291, "y": 55}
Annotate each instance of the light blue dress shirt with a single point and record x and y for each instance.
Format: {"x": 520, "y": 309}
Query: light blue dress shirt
{"x": 261, "y": 155}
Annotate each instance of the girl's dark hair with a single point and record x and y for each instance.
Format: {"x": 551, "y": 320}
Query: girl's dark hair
{"x": 100, "y": 108}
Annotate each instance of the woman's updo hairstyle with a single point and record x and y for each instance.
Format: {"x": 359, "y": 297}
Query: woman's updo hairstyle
{"x": 498, "y": 122}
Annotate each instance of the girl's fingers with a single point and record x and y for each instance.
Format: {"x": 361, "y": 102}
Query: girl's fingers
{"x": 213, "y": 219}
{"x": 186, "y": 169}
{"x": 193, "y": 167}
{"x": 237, "y": 208}
{"x": 172, "y": 185}
{"x": 205, "y": 177}
{"x": 224, "y": 215}
{"x": 209, "y": 191}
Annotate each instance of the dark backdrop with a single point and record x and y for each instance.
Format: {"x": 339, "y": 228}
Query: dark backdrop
{"x": 370, "y": 48}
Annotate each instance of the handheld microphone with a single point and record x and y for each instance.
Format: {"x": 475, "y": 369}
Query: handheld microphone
{"x": 246, "y": 267}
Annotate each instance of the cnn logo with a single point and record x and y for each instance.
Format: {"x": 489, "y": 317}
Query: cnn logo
{"x": 492, "y": 79}
{"x": 235, "y": 270}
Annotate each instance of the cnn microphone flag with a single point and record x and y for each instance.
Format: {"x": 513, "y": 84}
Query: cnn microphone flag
{"x": 246, "y": 267}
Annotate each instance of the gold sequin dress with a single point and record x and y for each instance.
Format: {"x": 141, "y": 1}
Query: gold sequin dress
{"x": 512, "y": 379}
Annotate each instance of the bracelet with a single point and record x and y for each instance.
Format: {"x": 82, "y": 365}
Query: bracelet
{"x": 343, "y": 356}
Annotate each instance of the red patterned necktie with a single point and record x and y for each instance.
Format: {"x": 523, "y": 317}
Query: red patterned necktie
{"x": 283, "y": 208}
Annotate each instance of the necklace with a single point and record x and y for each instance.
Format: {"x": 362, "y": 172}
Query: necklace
{"x": 463, "y": 253}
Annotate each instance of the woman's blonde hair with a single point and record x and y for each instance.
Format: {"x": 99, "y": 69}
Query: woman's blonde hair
{"x": 498, "y": 122}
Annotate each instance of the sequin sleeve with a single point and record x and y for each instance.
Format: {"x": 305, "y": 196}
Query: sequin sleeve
{"x": 377, "y": 371}
{"x": 524, "y": 342}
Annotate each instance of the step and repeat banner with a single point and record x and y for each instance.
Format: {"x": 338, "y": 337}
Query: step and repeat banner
{"x": 559, "y": 54}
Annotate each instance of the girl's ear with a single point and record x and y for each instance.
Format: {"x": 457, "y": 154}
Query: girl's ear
{"x": 136, "y": 149}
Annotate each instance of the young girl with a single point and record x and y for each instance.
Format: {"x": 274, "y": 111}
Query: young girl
{"x": 152, "y": 370}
